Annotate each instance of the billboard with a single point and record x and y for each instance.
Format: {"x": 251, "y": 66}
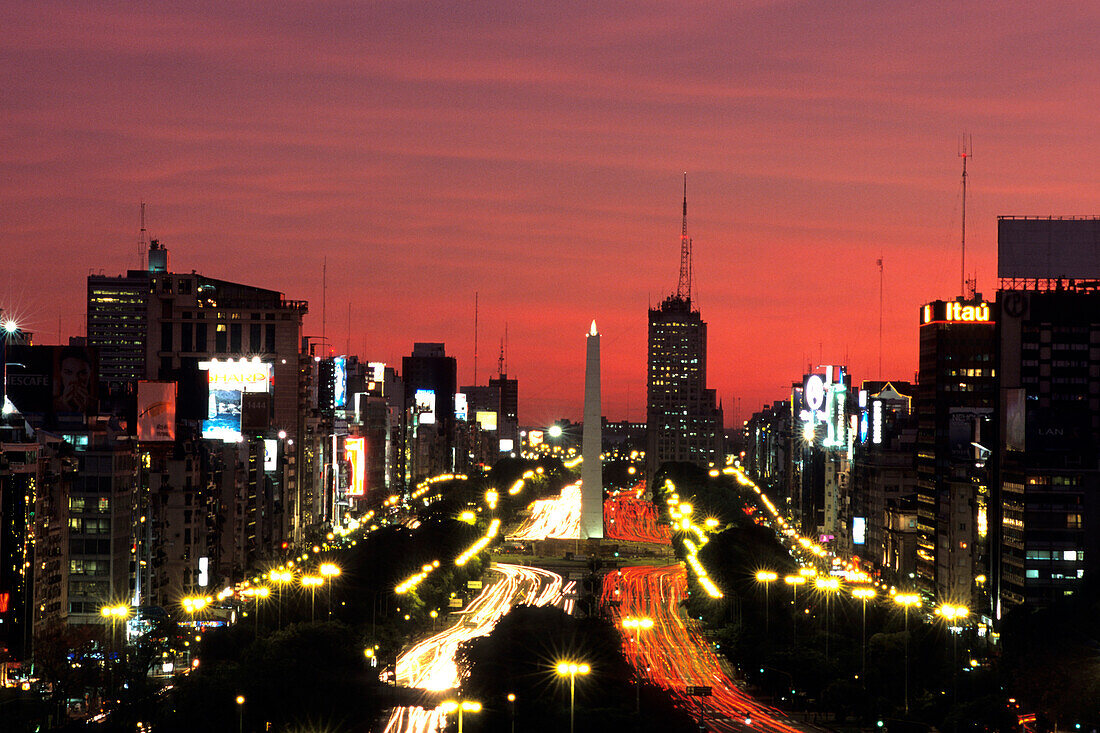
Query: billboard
{"x": 462, "y": 407}
{"x": 425, "y": 406}
{"x": 339, "y": 381}
{"x": 859, "y": 530}
{"x": 1048, "y": 248}
{"x": 53, "y": 380}
{"x": 156, "y": 411}
{"x": 271, "y": 454}
{"x": 355, "y": 451}
{"x": 486, "y": 420}
{"x": 228, "y": 380}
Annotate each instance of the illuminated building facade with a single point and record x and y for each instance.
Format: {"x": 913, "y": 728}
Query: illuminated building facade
{"x": 956, "y": 398}
{"x": 683, "y": 421}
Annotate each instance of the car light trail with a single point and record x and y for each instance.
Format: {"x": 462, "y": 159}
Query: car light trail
{"x": 430, "y": 664}
{"x": 674, "y": 657}
{"x": 558, "y": 517}
{"x": 630, "y": 518}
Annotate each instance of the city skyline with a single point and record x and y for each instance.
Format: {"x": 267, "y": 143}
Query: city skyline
{"x": 525, "y": 154}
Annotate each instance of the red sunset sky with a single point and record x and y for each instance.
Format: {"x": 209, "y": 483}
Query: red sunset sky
{"x": 533, "y": 152}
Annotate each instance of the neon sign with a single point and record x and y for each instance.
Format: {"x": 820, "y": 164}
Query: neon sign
{"x": 957, "y": 312}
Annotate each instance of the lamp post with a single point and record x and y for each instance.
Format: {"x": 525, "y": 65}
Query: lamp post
{"x": 637, "y": 624}
{"x": 460, "y": 706}
{"x": 281, "y": 578}
{"x": 240, "y": 713}
{"x": 114, "y": 614}
{"x": 766, "y": 577}
{"x": 328, "y": 572}
{"x": 952, "y": 614}
{"x": 571, "y": 670}
{"x": 311, "y": 582}
{"x": 864, "y": 594}
{"x": 512, "y": 709}
{"x": 907, "y": 601}
{"x": 828, "y": 586}
{"x": 794, "y": 581}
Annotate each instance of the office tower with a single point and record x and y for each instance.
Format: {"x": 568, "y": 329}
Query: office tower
{"x": 430, "y": 379}
{"x": 683, "y": 422}
{"x": 956, "y": 397}
{"x": 1046, "y": 460}
{"x": 117, "y": 326}
{"x": 592, "y": 442}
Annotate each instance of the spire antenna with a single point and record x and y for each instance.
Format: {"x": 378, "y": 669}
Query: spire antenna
{"x": 683, "y": 289}
{"x": 966, "y": 150}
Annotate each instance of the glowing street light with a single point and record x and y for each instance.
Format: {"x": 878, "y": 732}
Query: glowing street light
{"x": 827, "y": 585}
{"x": 281, "y": 578}
{"x": 329, "y": 571}
{"x": 954, "y": 615}
{"x": 240, "y": 713}
{"x": 311, "y": 582}
{"x": 794, "y": 581}
{"x": 767, "y": 577}
{"x": 571, "y": 670}
{"x": 907, "y": 601}
{"x": 460, "y": 706}
{"x": 864, "y": 595}
{"x": 637, "y": 624}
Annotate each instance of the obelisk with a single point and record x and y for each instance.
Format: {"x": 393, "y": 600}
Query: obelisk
{"x": 592, "y": 443}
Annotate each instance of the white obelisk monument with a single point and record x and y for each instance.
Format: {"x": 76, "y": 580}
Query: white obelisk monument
{"x": 591, "y": 444}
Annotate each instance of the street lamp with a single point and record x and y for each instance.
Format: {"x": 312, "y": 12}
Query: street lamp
{"x": 907, "y": 601}
{"x": 637, "y": 624}
{"x": 512, "y": 709}
{"x": 766, "y": 577}
{"x": 954, "y": 615}
{"x": 328, "y": 572}
{"x": 311, "y": 582}
{"x": 114, "y": 614}
{"x": 281, "y": 578}
{"x": 571, "y": 670}
{"x": 794, "y": 581}
{"x": 864, "y": 594}
{"x": 463, "y": 706}
{"x": 240, "y": 713}
{"x": 828, "y": 586}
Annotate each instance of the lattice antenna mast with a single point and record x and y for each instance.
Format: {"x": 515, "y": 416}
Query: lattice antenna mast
{"x": 143, "y": 243}
{"x": 683, "y": 289}
{"x": 966, "y": 150}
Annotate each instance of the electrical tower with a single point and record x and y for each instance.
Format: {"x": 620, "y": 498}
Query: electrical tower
{"x": 683, "y": 290}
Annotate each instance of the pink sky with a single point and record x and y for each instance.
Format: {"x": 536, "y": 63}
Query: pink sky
{"x": 533, "y": 152}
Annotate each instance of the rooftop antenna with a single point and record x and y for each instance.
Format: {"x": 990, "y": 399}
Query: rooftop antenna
{"x": 347, "y": 349}
{"x": 324, "y": 298}
{"x": 143, "y": 243}
{"x": 500, "y": 359}
{"x": 475, "y": 338}
{"x": 880, "y": 317}
{"x": 683, "y": 289}
{"x": 966, "y": 150}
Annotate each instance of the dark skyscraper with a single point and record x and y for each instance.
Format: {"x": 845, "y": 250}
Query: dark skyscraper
{"x": 683, "y": 422}
{"x": 956, "y": 396}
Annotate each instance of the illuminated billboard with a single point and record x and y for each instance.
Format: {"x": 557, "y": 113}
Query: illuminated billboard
{"x": 339, "y": 381}
{"x": 486, "y": 420}
{"x": 506, "y": 445}
{"x": 859, "y": 530}
{"x": 534, "y": 438}
{"x": 425, "y": 406}
{"x": 355, "y": 451}
{"x": 462, "y": 408}
{"x": 228, "y": 380}
{"x": 271, "y": 454}
{"x": 156, "y": 411}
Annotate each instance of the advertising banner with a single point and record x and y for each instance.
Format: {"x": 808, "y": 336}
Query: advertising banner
{"x": 228, "y": 380}
{"x": 52, "y": 380}
{"x": 156, "y": 411}
{"x": 425, "y": 406}
{"x": 487, "y": 420}
{"x": 355, "y": 451}
{"x": 339, "y": 381}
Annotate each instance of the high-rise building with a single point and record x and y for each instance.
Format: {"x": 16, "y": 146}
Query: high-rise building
{"x": 683, "y": 421}
{"x": 1046, "y": 460}
{"x": 430, "y": 378}
{"x": 956, "y": 397}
